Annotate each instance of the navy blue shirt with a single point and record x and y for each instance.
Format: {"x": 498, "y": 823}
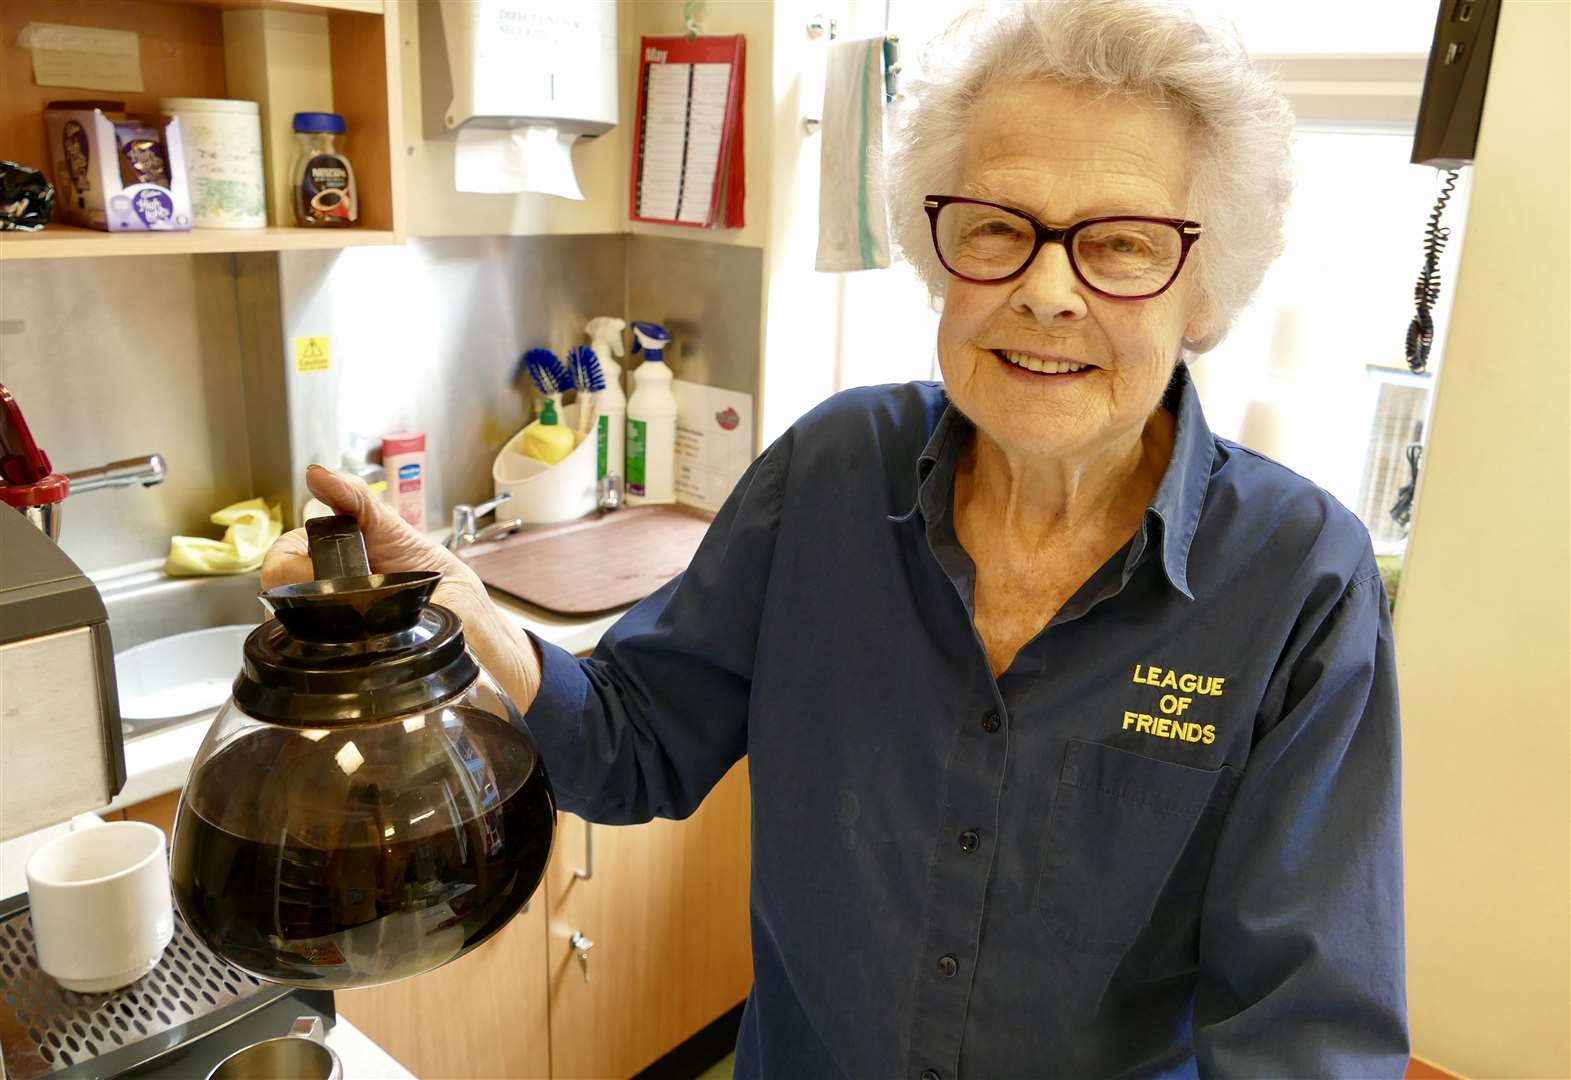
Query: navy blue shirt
{"x": 1165, "y": 842}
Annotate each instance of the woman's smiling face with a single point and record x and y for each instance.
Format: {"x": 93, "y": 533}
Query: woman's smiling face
{"x": 1061, "y": 156}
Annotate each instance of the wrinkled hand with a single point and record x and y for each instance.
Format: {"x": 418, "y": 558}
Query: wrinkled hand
{"x": 393, "y": 545}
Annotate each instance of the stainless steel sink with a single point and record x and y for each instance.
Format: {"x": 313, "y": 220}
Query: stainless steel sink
{"x": 146, "y": 605}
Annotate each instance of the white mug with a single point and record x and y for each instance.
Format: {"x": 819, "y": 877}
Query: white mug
{"x": 99, "y": 897}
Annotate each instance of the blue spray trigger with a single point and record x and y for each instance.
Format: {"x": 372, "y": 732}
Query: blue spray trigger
{"x": 652, "y": 337}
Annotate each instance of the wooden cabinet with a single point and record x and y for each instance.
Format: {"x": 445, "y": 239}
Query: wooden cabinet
{"x": 286, "y": 55}
{"x": 481, "y": 1017}
{"x": 665, "y": 905}
{"x": 159, "y": 811}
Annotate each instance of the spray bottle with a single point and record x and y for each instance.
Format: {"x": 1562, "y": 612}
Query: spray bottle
{"x": 651, "y": 421}
{"x": 605, "y": 337}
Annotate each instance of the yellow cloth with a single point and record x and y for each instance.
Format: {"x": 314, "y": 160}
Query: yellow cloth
{"x": 252, "y": 526}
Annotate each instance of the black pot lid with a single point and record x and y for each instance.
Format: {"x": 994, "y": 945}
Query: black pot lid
{"x": 352, "y": 645}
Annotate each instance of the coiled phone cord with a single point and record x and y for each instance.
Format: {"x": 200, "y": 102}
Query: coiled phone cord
{"x": 1421, "y": 331}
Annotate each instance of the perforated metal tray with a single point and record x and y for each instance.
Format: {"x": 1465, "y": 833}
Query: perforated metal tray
{"x": 49, "y": 1031}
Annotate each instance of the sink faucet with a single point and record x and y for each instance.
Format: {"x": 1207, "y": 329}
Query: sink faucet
{"x": 29, "y": 484}
{"x": 146, "y": 471}
{"x": 466, "y": 520}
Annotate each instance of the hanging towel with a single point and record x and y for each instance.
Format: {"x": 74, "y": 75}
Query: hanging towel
{"x": 853, "y": 219}
{"x": 252, "y": 526}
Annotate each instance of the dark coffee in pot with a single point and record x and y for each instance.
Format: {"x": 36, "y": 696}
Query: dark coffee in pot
{"x": 414, "y": 875}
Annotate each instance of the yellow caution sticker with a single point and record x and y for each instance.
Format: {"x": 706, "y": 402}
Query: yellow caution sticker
{"x": 311, "y": 353}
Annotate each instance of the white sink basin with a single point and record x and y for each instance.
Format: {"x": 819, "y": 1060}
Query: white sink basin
{"x": 178, "y": 642}
{"x": 178, "y": 677}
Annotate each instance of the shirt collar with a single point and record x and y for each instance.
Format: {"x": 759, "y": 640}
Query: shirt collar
{"x": 1175, "y": 506}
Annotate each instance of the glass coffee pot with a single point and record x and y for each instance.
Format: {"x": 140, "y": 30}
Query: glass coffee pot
{"x": 367, "y": 805}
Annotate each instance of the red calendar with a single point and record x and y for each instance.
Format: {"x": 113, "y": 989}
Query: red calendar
{"x": 688, "y": 167}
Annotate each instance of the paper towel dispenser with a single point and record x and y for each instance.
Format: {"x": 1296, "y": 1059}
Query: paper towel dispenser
{"x": 512, "y": 63}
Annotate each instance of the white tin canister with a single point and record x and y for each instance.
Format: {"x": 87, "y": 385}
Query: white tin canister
{"x": 223, "y": 156}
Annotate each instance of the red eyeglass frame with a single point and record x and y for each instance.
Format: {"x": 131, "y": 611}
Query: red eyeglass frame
{"x": 1188, "y": 233}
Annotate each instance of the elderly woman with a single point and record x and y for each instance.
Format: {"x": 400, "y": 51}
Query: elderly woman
{"x": 1072, "y": 727}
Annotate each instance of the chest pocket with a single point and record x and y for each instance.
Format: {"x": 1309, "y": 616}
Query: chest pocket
{"x": 1129, "y": 844}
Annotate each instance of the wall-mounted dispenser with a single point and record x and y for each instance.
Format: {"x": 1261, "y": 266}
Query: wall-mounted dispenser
{"x": 517, "y": 82}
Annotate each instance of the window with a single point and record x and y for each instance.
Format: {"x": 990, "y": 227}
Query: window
{"x": 1313, "y": 373}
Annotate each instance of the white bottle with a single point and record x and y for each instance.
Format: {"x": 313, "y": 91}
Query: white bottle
{"x": 605, "y": 338}
{"x": 651, "y": 422}
{"x": 356, "y": 460}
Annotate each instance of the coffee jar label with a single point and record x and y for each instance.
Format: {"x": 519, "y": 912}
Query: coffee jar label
{"x": 324, "y": 189}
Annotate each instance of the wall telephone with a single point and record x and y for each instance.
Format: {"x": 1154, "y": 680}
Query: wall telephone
{"x": 1447, "y": 136}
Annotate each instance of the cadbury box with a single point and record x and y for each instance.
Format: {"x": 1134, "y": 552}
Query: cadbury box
{"x": 121, "y": 172}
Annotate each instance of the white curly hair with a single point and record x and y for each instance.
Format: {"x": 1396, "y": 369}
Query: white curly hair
{"x": 1242, "y": 168}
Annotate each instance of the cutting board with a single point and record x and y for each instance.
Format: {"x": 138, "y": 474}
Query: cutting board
{"x": 596, "y": 564}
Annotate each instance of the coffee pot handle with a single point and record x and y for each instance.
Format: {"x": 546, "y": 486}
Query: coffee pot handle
{"x": 337, "y": 547}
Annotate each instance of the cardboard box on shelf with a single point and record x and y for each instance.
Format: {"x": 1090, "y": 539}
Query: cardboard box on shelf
{"x": 116, "y": 171}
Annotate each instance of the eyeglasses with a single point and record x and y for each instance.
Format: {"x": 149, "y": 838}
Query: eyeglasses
{"x": 1123, "y": 258}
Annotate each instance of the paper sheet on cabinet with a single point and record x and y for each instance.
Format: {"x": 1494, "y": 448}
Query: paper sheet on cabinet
{"x": 714, "y": 442}
{"x": 83, "y": 56}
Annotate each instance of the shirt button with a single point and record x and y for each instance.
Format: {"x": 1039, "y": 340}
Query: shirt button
{"x": 991, "y": 721}
{"x": 929, "y": 1074}
{"x": 969, "y": 841}
{"x": 947, "y": 966}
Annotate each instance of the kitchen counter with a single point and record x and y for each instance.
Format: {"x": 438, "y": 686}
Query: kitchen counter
{"x": 363, "y": 1059}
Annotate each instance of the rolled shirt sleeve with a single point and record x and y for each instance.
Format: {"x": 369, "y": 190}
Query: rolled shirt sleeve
{"x": 647, "y": 725}
{"x": 1301, "y": 935}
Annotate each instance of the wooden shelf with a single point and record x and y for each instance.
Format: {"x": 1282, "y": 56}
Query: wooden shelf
{"x": 363, "y": 7}
{"x": 70, "y": 241}
{"x": 286, "y": 55}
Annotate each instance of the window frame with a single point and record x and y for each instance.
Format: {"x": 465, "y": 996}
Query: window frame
{"x": 1380, "y": 89}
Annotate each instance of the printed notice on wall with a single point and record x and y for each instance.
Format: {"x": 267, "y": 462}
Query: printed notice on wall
{"x": 311, "y": 353}
{"x": 714, "y": 442}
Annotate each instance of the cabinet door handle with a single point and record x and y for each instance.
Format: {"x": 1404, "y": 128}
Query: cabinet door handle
{"x": 581, "y": 945}
{"x": 587, "y": 871}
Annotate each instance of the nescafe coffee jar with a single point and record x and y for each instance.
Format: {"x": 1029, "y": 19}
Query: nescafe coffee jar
{"x": 323, "y": 180}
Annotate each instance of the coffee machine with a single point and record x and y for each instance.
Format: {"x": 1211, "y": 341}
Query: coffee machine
{"x": 60, "y": 722}
{"x": 65, "y": 755}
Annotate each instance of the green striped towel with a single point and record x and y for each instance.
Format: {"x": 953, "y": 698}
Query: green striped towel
{"x": 853, "y": 219}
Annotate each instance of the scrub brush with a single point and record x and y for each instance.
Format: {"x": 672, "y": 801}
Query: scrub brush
{"x": 588, "y": 379}
{"x": 547, "y": 373}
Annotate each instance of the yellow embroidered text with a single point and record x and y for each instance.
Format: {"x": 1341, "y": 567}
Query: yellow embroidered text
{"x": 1168, "y": 728}
{"x": 1172, "y": 725}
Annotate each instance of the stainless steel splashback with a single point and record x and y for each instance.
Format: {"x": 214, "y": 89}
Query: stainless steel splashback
{"x": 710, "y": 296}
{"x": 426, "y": 336}
{"x": 110, "y": 358}
{"x": 193, "y": 357}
